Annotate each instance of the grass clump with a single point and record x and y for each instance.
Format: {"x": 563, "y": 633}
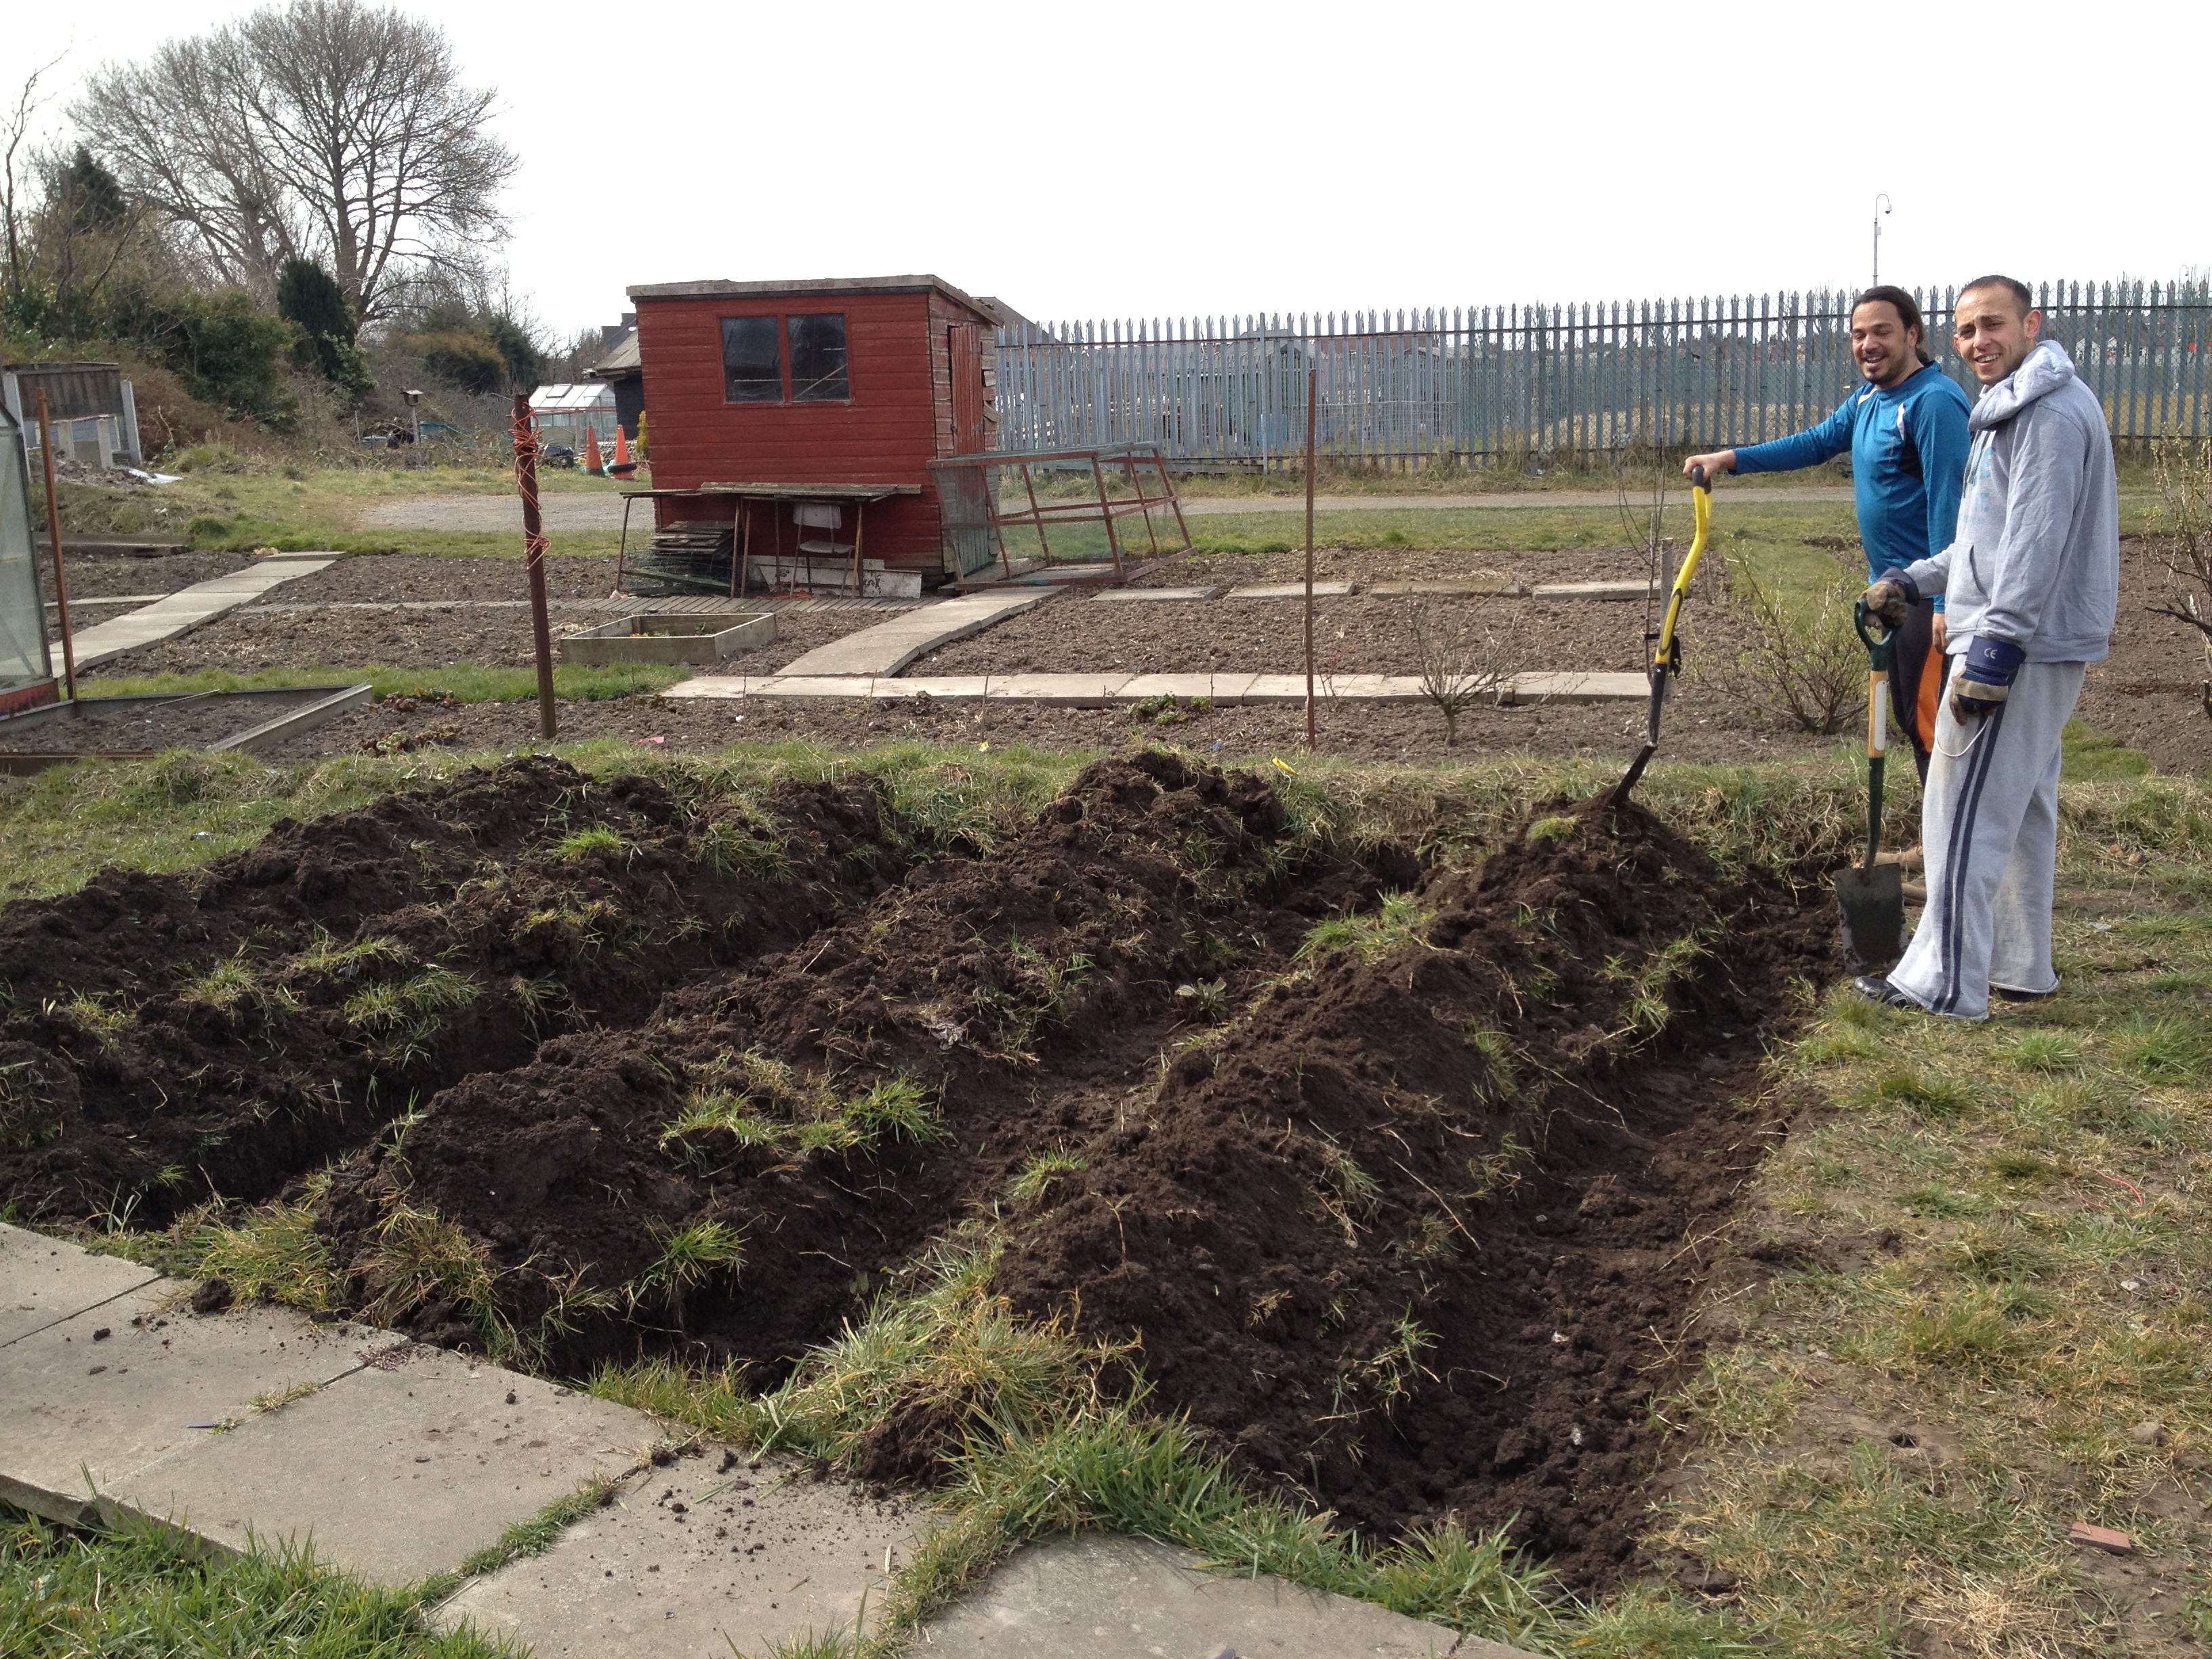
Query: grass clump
{"x": 276, "y": 1254}
{"x": 1041, "y": 1171}
{"x": 759, "y": 1101}
{"x": 687, "y": 1257}
{"x": 580, "y": 844}
{"x": 1398, "y": 920}
{"x": 418, "y": 1258}
{"x": 136, "y": 1588}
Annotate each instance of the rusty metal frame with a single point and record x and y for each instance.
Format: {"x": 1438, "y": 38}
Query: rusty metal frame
{"x": 1137, "y": 464}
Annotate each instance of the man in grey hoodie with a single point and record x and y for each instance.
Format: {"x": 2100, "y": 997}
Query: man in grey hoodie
{"x": 2031, "y": 586}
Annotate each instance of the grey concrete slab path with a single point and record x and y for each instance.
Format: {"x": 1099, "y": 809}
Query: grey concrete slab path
{"x": 1097, "y": 691}
{"x": 188, "y": 607}
{"x": 398, "y": 1469}
{"x": 1152, "y": 595}
{"x": 891, "y": 645}
{"x": 1501, "y": 588}
{"x": 1126, "y": 1598}
{"x": 86, "y": 1403}
{"x": 1592, "y": 591}
{"x": 44, "y": 1281}
{"x": 1293, "y": 590}
{"x": 391, "y": 1462}
{"x": 699, "y": 1559}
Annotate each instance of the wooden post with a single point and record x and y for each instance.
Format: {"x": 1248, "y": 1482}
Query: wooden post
{"x": 1313, "y": 384}
{"x": 54, "y": 531}
{"x": 534, "y": 556}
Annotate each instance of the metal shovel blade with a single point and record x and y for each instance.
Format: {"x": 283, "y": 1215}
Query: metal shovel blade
{"x": 1873, "y": 905}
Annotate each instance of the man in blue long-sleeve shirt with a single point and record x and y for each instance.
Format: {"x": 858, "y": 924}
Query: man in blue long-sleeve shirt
{"x": 1906, "y": 431}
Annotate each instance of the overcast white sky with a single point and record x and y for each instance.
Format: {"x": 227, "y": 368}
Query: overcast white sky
{"x": 1156, "y": 159}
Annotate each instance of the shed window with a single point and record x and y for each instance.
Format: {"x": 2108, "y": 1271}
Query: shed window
{"x": 818, "y": 357}
{"x": 750, "y": 371}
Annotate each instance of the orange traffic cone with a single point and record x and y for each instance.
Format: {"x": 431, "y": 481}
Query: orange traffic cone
{"x": 592, "y": 463}
{"x": 621, "y": 447}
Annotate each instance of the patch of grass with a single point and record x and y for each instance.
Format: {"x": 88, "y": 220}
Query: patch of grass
{"x": 400, "y": 1019}
{"x": 276, "y": 1254}
{"x": 1041, "y": 1171}
{"x": 1896, "y": 1438}
{"x": 419, "y": 1257}
{"x": 1398, "y": 920}
{"x": 139, "y": 1590}
{"x": 897, "y": 1109}
{"x": 580, "y": 844}
{"x": 688, "y": 1258}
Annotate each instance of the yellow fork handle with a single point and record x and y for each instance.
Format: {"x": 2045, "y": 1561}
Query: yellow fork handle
{"x": 1701, "y": 507}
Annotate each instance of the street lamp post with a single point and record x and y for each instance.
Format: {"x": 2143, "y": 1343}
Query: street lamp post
{"x": 1881, "y": 211}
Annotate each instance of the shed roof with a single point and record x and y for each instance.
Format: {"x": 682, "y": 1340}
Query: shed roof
{"x": 721, "y": 289}
{"x": 622, "y": 361}
{"x": 582, "y": 395}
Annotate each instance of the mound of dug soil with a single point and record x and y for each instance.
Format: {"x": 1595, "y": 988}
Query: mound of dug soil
{"x": 167, "y": 1039}
{"x": 1409, "y": 1234}
{"x": 1384, "y": 1174}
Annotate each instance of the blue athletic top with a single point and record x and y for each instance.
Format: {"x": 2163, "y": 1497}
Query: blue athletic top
{"x": 1908, "y": 445}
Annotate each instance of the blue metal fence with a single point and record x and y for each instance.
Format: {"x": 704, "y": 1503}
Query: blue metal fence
{"x": 1430, "y": 388}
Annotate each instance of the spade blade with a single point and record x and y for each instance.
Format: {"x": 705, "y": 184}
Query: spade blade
{"x": 1873, "y": 905}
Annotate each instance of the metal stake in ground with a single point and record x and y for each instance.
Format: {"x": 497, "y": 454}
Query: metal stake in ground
{"x": 54, "y": 531}
{"x": 1313, "y": 384}
{"x": 533, "y": 552}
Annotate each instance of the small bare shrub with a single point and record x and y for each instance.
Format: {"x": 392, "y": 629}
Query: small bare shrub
{"x": 2181, "y": 545}
{"x": 1457, "y": 668}
{"x": 1799, "y": 655}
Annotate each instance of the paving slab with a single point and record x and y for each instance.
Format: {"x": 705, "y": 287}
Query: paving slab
{"x": 1126, "y": 1598}
{"x": 44, "y": 1280}
{"x": 1579, "y": 688}
{"x": 398, "y": 1469}
{"x": 1148, "y": 595}
{"x": 188, "y": 607}
{"x": 1221, "y": 689}
{"x": 697, "y": 1559}
{"x": 86, "y": 1403}
{"x": 891, "y": 645}
{"x": 1634, "y": 590}
{"x": 1502, "y": 587}
{"x": 1293, "y": 590}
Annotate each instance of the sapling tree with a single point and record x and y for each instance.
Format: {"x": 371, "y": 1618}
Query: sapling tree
{"x": 1458, "y": 667}
{"x": 2179, "y": 547}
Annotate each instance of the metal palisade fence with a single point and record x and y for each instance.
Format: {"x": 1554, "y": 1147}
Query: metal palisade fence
{"x": 1478, "y": 385}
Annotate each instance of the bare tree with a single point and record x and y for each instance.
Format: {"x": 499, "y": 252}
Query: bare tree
{"x": 2181, "y": 545}
{"x": 329, "y": 130}
{"x": 15, "y": 130}
{"x": 1457, "y": 669}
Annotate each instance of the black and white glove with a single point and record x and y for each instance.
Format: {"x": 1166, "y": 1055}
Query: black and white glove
{"x": 1892, "y": 594}
{"x": 1985, "y": 678}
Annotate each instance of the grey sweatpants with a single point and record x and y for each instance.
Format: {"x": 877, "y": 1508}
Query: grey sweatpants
{"x": 1989, "y": 824}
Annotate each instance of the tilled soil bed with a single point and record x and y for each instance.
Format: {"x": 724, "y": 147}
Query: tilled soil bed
{"x": 1382, "y": 1172}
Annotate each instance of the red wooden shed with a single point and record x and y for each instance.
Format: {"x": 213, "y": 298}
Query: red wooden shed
{"x": 846, "y": 382}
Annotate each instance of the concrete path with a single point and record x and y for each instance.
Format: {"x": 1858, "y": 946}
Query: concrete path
{"x": 594, "y": 511}
{"x": 188, "y": 607}
{"x": 1098, "y": 691}
{"x": 395, "y": 1461}
{"x": 891, "y": 645}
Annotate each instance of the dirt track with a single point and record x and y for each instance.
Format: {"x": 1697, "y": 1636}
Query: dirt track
{"x": 1397, "y": 1222}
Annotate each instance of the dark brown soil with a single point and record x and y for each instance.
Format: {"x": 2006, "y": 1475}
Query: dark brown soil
{"x": 283, "y": 634}
{"x": 1358, "y": 633}
{"x": 1401, "y": 1231}
{"x": 421, "y": 576}
{"x": 2150, "y": 695}
{"x": 149, "y": 1083}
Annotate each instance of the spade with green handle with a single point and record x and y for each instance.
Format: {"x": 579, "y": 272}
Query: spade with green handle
{"x": 1871, "y": 896}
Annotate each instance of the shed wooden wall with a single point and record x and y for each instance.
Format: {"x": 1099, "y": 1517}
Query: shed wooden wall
{"x": 899, "y": 416}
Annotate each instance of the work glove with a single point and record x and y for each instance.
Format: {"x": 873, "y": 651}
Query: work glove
{"x": 1892, "y": 594}
{"x": 1985, "y": 678}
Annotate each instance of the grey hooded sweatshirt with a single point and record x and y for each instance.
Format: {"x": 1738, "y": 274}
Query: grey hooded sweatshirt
{"x": 2036, "y": 561}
